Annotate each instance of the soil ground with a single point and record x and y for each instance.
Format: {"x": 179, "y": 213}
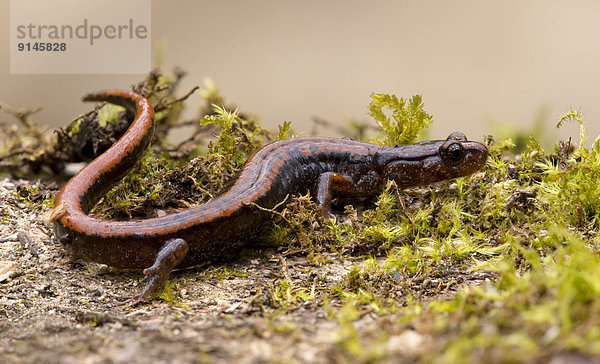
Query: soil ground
{"x": 55, "y": 311}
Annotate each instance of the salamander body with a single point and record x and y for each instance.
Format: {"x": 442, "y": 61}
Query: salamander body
{"x": 325, "y": 167}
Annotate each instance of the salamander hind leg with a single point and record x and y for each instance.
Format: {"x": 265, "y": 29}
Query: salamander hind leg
{"x": 330, "y": 182}
{"x": 169, "y": 255}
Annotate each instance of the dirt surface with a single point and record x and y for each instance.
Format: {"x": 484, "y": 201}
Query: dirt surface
{"x": 55, "y": 311}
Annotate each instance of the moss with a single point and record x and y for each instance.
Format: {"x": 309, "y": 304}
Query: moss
{"x": 527, "y": 314}
{"x": 107, "y": 114}
{"x": 33, "y": 197}
{"x": 283, "y": 130}
{"x": 75, "y": 127}
{"x": 139, "y": 193}
{"x": 233, "y": 130}
{"x": 408, "y": 117}
{"x": 286, "y": 294}
{"x": 222, "y": 273}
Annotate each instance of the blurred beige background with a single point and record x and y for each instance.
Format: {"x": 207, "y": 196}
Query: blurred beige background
{"x": 473, "y": 61}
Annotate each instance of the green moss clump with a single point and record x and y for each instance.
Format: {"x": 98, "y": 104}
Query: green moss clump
{"x": 527, "y": 315}
{"x": 408, "y": 117}
{"x": 140, "y": 192}
{"x": 222, "y": 273}
{"x": 108, "y": 114}
{"x": 283, "y": 130}
{"x": 287, "y": 294}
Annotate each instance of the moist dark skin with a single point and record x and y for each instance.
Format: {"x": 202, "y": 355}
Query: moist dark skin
{"x": 325, "y": 167}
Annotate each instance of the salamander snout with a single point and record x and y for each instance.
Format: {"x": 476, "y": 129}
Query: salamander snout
{"x": 474, "y": 157}
{"x": 465, "y": 156}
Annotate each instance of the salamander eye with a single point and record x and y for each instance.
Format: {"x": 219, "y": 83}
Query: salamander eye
{"x": 452, "y": 152}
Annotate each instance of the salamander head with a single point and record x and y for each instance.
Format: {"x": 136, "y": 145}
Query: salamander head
{"x": 432, "y": 161}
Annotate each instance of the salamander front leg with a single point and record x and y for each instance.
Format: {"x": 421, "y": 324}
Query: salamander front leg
{"x": 328, "y": 183}
{"x": 169, "y": 255}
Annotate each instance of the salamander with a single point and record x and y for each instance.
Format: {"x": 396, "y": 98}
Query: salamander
{"x": 324, "y": 167}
